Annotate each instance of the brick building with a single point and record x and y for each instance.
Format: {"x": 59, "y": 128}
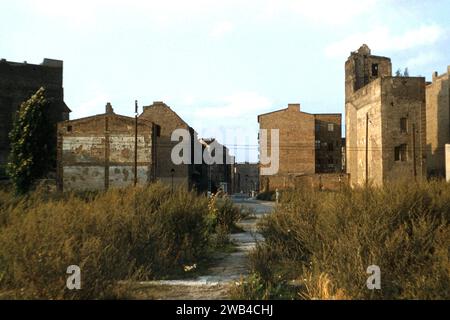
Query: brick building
{"x": 98, "y": 152}
{"x": 193, "y": 175}
{"x": 18, "y": 82}
{"x": 438, "y": 122}
{"x": 385, "y": 121}
{"x": 246, "y": 177}
{"x": 219, "y": 175}
{"x": 309, "y": 144}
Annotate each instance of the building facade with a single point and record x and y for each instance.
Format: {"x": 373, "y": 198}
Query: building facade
{"x": 18, "y": 82}
{"x": 220, "y": 173}
{"x": 309, "y": 144}
{"x": 385, "y": 121}
{"x": 192, "y": 175}
{"x": 98, "y": 152}
{"x": 246, "y": 177}
{"x": 438, "y": 122}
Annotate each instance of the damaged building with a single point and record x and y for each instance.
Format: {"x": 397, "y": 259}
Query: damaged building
{"x": 189, "y": 175}
{"x": 18, "y": 82}
{"x": 309, "y": 148}
{"x": 438, "y": 122}
{"x": 98, "y": 152}
{"x": 385, "y": 121}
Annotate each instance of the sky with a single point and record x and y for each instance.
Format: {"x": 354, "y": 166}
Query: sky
{"x": 219, "y": 64}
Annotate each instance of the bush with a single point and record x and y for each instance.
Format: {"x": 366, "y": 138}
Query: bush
{"x": 266, "y": 196}
{"x": 326, "y": 242}
{"x": 143, "y": 233}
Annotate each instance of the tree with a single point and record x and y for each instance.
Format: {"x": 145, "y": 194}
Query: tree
{"x": 406, "y": 72}
{"x": 31, "y": 137}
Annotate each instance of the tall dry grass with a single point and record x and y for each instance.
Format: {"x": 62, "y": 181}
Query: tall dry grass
{"x": 143, "y": 233}
{"x": 326, "y": 241}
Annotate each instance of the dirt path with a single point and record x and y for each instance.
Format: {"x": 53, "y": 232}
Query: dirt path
{"x": 226, "y": 269}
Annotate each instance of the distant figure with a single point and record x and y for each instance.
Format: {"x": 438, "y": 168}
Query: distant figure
{"x": 277, "y": 195}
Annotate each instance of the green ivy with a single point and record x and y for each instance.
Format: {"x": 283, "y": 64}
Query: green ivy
{"x": 32, "y": 151}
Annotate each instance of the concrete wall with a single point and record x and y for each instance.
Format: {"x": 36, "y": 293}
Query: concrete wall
{"x": 325, "y": 181}
{"x": 365, "y": 102}
{"x": 97, "y": 153}
{"x": 438, "y": 123}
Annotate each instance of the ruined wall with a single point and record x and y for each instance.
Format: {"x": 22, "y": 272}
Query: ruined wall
{"x": 18, "y": 82}
{"x": 97, "y": 153}
{"x": 365, "y": 102}
{"x": 404, "y": 97}
{"x": 438, "y": 123}
{"x": 328, "y": 137}
{"x": 162, "y": 115}
{"x": 324, "y": 181}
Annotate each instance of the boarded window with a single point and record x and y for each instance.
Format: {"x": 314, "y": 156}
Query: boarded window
{"x": 375, "y": 70}
{"x": 330, "y": 127}
{"x": 401, "y": 152}
{"x": 403, "y": 125}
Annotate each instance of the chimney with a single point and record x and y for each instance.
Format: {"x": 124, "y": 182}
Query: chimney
{"x": 109, "y": 109}
{"x": 294, "y": 107}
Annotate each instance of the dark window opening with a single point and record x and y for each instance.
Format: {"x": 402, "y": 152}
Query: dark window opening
{"x": 375, "y": 70}
{"x": 401, "y": 152}
{"x": 69, "y": 128}
{"x": 403, "y": 125}
{"x": 330, "y": 147}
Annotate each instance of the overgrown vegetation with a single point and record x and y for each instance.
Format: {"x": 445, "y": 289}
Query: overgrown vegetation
{"x": 318, "y": 245}
{"x": 133, "y": 234}
{"x": 32, "y": 149}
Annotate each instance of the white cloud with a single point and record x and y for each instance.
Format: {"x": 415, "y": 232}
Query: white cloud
{"x": 381, "y": 38}
{"x": 221, "y": 28}
{"x": 325, "y": 12}
{"x": 96, "y": 105}
{"x": 238, "y": 105}
{"x": 423, "y": 59}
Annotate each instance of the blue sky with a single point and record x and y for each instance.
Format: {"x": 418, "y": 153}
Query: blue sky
{"x": 219, "y": 64}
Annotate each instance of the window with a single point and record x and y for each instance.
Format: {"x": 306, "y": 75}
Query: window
{"x": 330, "y": 127}
{"x": 401, "y": 152}
{"x": 317, "y": 127}
{"x": 330, "y": 147}
{"x": 324, "y": 145}
{"x": 375, "y": 70}
{"x": 69, "y": 128}
{"x": 317, "y": 144}
{"x": 403, "y": 125}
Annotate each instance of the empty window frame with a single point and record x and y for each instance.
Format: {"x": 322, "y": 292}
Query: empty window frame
{"x": 401, "y": 152}
{"x": 375, "y": 70}
{"x": 403, "y": 125}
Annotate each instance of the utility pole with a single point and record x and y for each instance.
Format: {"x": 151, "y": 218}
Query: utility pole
{"x": 135, "y": 141}
{"x": 367, "y": 150}
{"x": 414, "y": 150}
